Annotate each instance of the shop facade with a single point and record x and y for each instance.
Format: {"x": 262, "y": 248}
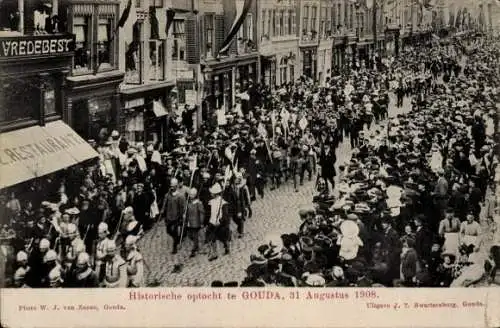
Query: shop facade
{"x": 268, "y": 70}
{"x": 338, "y": 54}
{"x": 309, "y": 61}
{"x": 224, "y": 79}
{"x": 392, "y": 41}
{"x": 93, "y": 104}
{"x": 35, "y": 140}
{"x": 143, "y": 113}
{"x": 365, "y": 49}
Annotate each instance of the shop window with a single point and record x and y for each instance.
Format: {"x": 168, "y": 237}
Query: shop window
{"x": 83, "y": 49}
{"x": 49, "y": 95}
{"x": 209, "y": 35}
{"x": 19, "y": 99}
{"x": 292, "y": 73}
{"x": 99, "y": 116}
{"x": 179, "y": 40}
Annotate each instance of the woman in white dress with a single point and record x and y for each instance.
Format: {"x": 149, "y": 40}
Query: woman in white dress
{"x": 436, "y": 160}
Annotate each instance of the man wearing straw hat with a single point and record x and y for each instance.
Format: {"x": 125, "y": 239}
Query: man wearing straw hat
{"x": 218, "y": 223}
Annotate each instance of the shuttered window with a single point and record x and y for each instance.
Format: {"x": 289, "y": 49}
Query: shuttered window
{"x": 249, "y": 26}
{"x": 192, "y": 46}
{"x": 209, "y": 34}
{"x": 219, "y": 31}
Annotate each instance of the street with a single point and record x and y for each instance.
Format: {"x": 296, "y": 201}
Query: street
{"x": 276, "y": 214}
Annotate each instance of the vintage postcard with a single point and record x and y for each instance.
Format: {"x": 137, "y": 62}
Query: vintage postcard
{"x": 293, "y": 163}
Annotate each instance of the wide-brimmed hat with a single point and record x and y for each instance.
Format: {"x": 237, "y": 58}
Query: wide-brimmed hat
{"x": 215, "y": 189}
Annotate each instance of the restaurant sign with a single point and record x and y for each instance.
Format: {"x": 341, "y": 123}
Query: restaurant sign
{"x": 36, "y": 45}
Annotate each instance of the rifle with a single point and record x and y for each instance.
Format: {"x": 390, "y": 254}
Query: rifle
{"x": 118, "y": 227}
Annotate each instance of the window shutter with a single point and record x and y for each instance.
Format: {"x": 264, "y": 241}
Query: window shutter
{"x": 202, "y": 40}
{"x": 219, "y": 32}
{"x": 192, "y": 46}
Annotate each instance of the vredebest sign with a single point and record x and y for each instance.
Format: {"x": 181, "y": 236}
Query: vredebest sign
{"x": 36, "y": 45}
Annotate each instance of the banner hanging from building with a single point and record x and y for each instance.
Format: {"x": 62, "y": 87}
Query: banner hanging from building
{"x": 242, "y": 9}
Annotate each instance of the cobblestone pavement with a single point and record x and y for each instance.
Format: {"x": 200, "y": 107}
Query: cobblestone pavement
{"x": 275, "y": 214}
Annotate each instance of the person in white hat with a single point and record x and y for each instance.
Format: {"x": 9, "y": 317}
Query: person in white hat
{"x": 83, "y": 276}
{"x": 50, "y": 261}
{"x": 76, "y": 245}
{"x": 115, "y": 269}
{"x": 100, "y": 254}
{"x": 135, "y": 263}
{"x": 218, "y": 223}
{"x": 55, "y": 278}
{"x": 173, "y": 208}
{"x": 22, "y": 260}
{"x": 127, "y": 218}
{"x": 20, "y": 278}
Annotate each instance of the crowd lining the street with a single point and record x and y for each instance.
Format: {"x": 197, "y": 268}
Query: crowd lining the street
{"x": 404, "y": 211}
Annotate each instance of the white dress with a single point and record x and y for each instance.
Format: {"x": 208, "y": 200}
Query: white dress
{"x": 436, "y": 161}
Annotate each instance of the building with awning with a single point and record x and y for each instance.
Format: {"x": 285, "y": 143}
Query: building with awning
{"x": 36, "y": 57}
{"x": 36, "y": 151}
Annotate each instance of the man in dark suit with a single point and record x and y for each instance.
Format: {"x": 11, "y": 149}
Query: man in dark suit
{"x": 327, "y": 162}
{"x": 391, "y": 247}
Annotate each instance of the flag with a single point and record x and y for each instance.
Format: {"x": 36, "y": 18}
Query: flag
{"x": 153, "y": 21}
{"x": 121, "y": 22}
{"x": 170, "y": 19}
{"x": 242, "y": 9}
{"x": 132, "y": 48}
{"x": 124, "y": 16}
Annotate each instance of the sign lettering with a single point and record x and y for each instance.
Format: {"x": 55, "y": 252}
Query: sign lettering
{"x": 40, "y": 148}
{"x": 39, "y": 45}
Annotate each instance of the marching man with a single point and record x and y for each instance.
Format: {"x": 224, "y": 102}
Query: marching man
{"x": 135, "y": 263}
{"x": 218, "y": 224}
{"x": 115, "y": 268}
{"x": 100, "y": 256}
